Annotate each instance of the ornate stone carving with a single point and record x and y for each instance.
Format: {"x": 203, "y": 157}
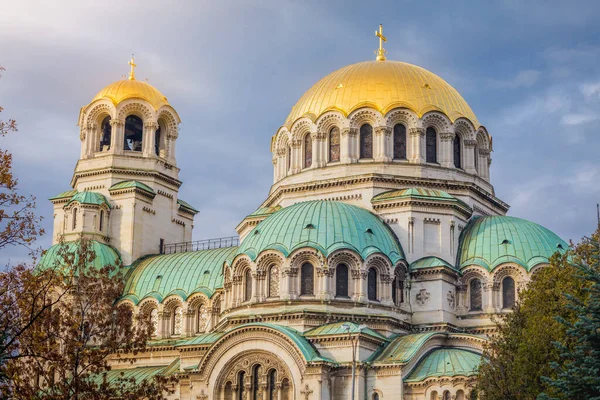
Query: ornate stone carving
{"x": 451, "y": 297}
{"x": 416, "y": 132}
{"x": 401, "y": 116}
{"x": 306, "y": 392}
{"x": 349, "y": 132}
{"x": 422, "y": 297}
{"x": 383, "y": 130}
{"x": 137, "y": 109}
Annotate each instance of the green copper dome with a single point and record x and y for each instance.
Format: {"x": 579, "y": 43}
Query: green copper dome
{"x": 89, "y": 198}
{"x": 323, "y": 225}
{"x": 492, "y": 240}
{"x": 105, "y": 255}
{"x": 445, "y": 362}
{"x": 181, "y": 273}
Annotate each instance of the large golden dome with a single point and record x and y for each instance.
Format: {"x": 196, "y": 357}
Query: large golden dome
{"x": 383, "y": 85}
{"x": 131, "y": 88}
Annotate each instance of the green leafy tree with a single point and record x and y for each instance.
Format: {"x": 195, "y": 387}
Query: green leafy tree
{"x": 577, "y": 372}
{"x": 522, "y": 350}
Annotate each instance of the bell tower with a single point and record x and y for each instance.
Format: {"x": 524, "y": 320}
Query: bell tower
{"x": 126, "y": 182}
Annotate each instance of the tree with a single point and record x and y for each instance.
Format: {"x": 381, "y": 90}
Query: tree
{"x": 577, "y": 371}
{"x": 522, "y": 350}
{"x": 66, "y": 351}
{"x": 18, "y": 223}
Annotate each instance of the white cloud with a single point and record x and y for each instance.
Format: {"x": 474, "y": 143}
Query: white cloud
{"x": 578, "y": 119}
{"x": 591, "y": 89}
{"x": 526, "y": 78}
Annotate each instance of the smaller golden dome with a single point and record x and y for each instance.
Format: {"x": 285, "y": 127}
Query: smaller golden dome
{"x": 130, "y": 89}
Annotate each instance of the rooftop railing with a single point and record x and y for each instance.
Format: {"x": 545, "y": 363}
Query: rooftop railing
{"x": 206, "y": 244}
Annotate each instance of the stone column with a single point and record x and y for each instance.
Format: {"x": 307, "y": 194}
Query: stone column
{"x": 484, "y": 169}
{"x": 469, "y": 156}
{"x": 319, "y": 149}
{"x": 416, "y": 146}
{"x": 447, "y": 149}
{"x": 323, "y": 283}
{"x": 170, "y": 146}
{"x": 488, "y": 307}
{"x": 386, "y": 289}
{"x": 382, "y": 143}
{"x": 347, "y": 153}
{"x": 296, "y": 164}
{"x": 116, "y": 136}
{"x": 148, "y": 139}
{"x": 360, "y": 281}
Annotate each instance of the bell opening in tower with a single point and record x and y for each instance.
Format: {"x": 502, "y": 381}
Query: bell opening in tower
{"x": 133, "y": 133}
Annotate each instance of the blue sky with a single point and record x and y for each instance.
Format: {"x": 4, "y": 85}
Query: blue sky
{"x": 234, "y": 69}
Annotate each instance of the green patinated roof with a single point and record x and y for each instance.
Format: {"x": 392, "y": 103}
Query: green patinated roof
{"x": 132, "y": 184}
{"x": 89, "y": 198}
{"x": 308, "y": 351}
{"x": 264, "y": 211}
{"x": 430, "y": 262}
{"x": 139, "y": 374}
{"x": 187, "y": 205}
{"x": 492, "y": 240}
{"x": 64, "y": 195}
{"x": 54, "y": 256}
{"x": 445, "y": 362}
{"x": 181, "y": 273}
{"x": 337, "y": 329}
{"x": 326, "y": 226}
{"x": 207, "y": 338}
{"x": 413, "y": 192}
{"x": 402, "y": 348}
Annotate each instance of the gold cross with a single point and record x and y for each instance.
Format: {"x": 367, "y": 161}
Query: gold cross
{"x": 381, "y": 52}
{"x": 132, "y": 72}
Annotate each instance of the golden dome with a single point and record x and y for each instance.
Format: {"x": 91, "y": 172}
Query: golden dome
{"x": 131, "y": 88}
{"x": 383, "y": 85}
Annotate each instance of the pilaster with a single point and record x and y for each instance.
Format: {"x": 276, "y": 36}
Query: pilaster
{"x": 416, "y": 145}
{"x": 382, "y": 143}
{"x": 446, "y": 149}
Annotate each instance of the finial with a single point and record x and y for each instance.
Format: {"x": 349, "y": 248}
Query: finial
{"x": 132, "y": 72}
{"x": 381, "y": 52}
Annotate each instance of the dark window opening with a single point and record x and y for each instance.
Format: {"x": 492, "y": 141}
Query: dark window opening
{"x": 307, "y": 279}
{"x": 399, "y": 142}
{"x": 457, "y": 155}
{"x": 334, "y": 145}
{"x": 341, "y": 280}
{"x": 431, "y": 145}
{"x": 134, "y": 128}
{"x": 372, "y": 284}
{"x": 366, "y": 141}
{"x": 106, "y": 133}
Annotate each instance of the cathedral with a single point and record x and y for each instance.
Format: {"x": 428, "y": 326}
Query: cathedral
{"x": 372, "y": 270}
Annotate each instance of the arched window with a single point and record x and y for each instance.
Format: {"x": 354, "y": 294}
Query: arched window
{"x": 375, "y": 396}
{"x": 446, "y": 395}
{"x": 273, "y": 281}
{"x": 399, "y": 142}
{"x": 289, "y": 158}
{"x": 247, "y": 285}
{"x": 286, "y": 388}
{"x": 460, "y": 395}
{"x": 457, "y": 161}
{"x": 154, "y": 321}
{"x": 229, "y": 391}
{"x": 397, "y": 291}
{"x": 134, "y": 128}
{"x": 255, "y": 381}
{"x": 341, "y": 280}
{"x": 434, "y": 395}
{"x": 272, "y": 388}
{"x": 508, "y": 292}
{"x": 430, "y": 145}
{"x": 307, "y": 150}
{"x": 157, "y": 141}
{"x": 202, "y": 318}
{"x": 372, "y": 284}
{"x": 101, "y": 225}
{"x": 105, "y": 132}
{"x": 476, "y": 157}
{"x": 176, "y": 321}
{"x": 334, "y": 145}
{"x": 241, "y": 386}
{"x": 475, "y": 295}
{"x": 74, "y": 218}
{"x": 307, "y": 279}
{"x": 366, "y": 141}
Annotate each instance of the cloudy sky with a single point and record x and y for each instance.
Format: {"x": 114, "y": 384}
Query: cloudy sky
{"x": 233, "y": 70}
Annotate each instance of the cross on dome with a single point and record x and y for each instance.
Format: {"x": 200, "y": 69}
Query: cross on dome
{"x": 381, "y": 52}
{"x": 132, "y": 72}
